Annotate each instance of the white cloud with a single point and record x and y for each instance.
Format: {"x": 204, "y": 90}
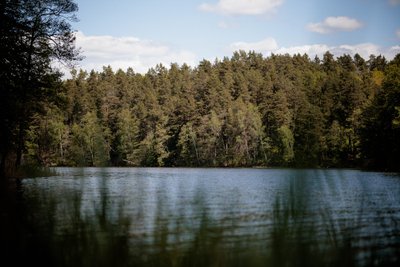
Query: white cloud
{"x": 392, "y": 51}
{"x": 269, "y": 45}
{"x": 124, "y": 52}
{"x": 242, "y": 7}
{"x": 394, "y": 2}
{"x": 333, "y": 24}
{"x": 364, "y": 50}
{"x": 311, "y": 50}
{"x": 263, "y": 46}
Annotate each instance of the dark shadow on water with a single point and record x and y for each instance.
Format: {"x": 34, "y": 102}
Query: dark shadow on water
{"x": 64, "y": 229}
{"x": 47, "y": 229}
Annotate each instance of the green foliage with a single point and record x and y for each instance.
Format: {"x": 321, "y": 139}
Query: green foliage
{"x": 33, "y": 33}
{"x": 244, "y": 111}
{"x": 210, "y": 138}
{"x": 287, "y": 142}
{"x": 241, "y": 111}
{"x": 127, "y": 136}
{"x": 380, "y": 134}
{"x": 47, "y": 139}
{"x": 244, "y": 131}
{"x": 187, "y": 145}
{"x": 89, "y": 146}
{"x": 153, "y": 149}
{"x": 396, "y": 120}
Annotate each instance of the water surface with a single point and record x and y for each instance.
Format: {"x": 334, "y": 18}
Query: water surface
{"x": 214, "y": 217}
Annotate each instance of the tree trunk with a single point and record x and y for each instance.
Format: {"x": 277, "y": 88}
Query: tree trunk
{"x": 20, "y": 145}
{"x": 195, "y": 149}
{"x": 3, "y": 160}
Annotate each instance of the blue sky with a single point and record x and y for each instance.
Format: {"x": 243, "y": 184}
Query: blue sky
{"x": 141, "y": 34}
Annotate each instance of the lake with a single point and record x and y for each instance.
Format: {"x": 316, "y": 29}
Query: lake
{"x": 208, "y": 217}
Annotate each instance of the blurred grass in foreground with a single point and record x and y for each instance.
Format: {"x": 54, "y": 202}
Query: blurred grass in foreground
{"x": 41, "y": 229}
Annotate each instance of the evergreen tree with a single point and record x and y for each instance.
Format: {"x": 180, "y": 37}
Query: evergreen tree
{"x": 89, "y": 145}
{"x": 127, "y": 138}
{"x": 248, "y": 110}
{"x": 188, "y": 146}
{"x": 380, "y": 134}
{"x": 32, "y": 34}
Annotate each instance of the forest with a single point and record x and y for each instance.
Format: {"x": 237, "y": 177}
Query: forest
{"x": 247, "y": 110}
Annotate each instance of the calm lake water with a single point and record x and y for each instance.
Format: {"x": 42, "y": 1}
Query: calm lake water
{"x": 210, "y": 217}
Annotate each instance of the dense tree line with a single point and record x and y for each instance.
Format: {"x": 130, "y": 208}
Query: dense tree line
{"x": 33, "y": 34}
{"x": 247, "y": 110}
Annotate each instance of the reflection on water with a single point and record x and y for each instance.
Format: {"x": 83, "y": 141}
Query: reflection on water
{"x": 205, "y": 217}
